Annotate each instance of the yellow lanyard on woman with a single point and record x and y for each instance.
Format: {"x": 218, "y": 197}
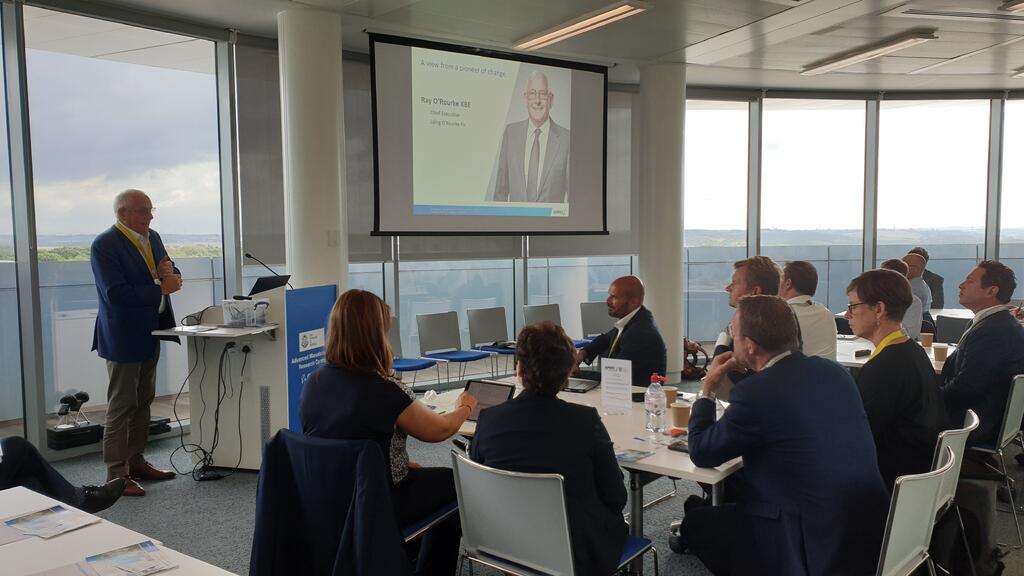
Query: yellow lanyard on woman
{"x": 145, "y": 250}
{"x": 896, "y": 335}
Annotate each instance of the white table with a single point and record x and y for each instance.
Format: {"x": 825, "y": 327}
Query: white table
{"x": 34, "y": 554}
{"x": 845, "y": 348}
{"x": 952, "y": 313}
{"x": 627, "y": 432}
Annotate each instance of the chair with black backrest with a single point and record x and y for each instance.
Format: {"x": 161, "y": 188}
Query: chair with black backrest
{"x": 488, "y": 332}
{"x": 949, "y": 329}
{"x": 323, "y": 506}
{"x": 440, "y": 339}
{"x": 908, "y": 530}
{"x": 1009, "y": 431}
{"x": 843, "y": 326}
{"x": 402, "y": 364}
{"x": 956, "y": 441}
{"x": 548, "y": 313}
{"x": 595, "y": 319}
{"x": 518, "y": 523}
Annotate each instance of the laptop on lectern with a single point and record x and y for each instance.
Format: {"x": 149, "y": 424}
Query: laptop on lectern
{"x": 264, "y": 283}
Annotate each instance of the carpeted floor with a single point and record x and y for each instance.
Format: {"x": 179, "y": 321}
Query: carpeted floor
{"x": 213, "y": 521}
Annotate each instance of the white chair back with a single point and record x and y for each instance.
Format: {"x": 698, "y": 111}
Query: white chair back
{"x": 595, "y": 318}
{"x": 513, "y": 517}
{"x": 955, "y": 440}
{"x": 908, "y": 531}
{"x": 487, "y": 326}
{"x": 542, "y": 312}
{"x": 438, "y": 332}
{"x": 1014, "y": 412}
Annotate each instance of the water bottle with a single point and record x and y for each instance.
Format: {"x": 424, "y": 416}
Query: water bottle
{"x": 654, "y": 404}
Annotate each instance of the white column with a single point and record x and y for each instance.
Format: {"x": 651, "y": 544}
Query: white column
{"x": 663, "y": 107}
{"x": 313, "y": 138}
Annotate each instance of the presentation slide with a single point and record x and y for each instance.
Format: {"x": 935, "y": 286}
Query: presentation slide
{"x": 472, "y": 141}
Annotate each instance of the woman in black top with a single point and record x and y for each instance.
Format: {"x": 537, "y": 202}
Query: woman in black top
{"x": 901, "y": 398}
{"x": 538, "y": 432}
{"x": 356, "y": 397}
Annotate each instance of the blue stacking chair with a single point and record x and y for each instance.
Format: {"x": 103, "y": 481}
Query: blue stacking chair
{"x": 487, "y": 326}
{"x": 413, "y": 365}
{"x": 440, "y": 340}
{"x": 518, "y": 522}
{"x": 548, "y": 313}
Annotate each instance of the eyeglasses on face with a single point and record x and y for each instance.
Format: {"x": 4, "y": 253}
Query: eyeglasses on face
{"x": 538, "y": 95}
{"x": 850, "y": 307}
{"x": 142, "y": 211}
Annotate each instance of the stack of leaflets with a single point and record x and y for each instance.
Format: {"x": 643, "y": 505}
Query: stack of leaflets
{"x": 136, "y": 560}
{"x": 50, "y": 522}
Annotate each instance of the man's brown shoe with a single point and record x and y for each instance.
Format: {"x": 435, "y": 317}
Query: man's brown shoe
{"x": 146, "y": 471}
{"x": 132, "y": 488}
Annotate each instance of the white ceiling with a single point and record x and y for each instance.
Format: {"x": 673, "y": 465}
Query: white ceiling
{"x": 738, "y": 43}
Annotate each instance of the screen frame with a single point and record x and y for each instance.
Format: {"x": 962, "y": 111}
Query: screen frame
{"x": 487, "y": 53}
{"x": 469, "y": 383}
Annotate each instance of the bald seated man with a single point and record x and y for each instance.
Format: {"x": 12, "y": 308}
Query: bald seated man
{"x": 916, "y": 264}
{"x": 635, "y": 336}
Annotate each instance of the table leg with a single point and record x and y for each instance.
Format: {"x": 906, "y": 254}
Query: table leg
{"x": 636, "y": 515}
{"x": 718, "y": 493}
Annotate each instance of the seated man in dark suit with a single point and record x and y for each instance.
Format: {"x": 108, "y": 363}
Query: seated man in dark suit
{"x": 756, "y": 275}
{"x": 22, "y": 465}
{"x": 990, "y": 353}
{"x": 810, "y": 497}
{"x": 635, "y": 336}
{"x": 538, "y": 432}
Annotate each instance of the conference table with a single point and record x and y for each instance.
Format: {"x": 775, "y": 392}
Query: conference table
{"x": 627, "y": 432}
{"x": 846, "y": 346}
{"x": 33, "y": 554}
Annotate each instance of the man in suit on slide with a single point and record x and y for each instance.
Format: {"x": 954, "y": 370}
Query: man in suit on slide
{"x": 533, "y": 161}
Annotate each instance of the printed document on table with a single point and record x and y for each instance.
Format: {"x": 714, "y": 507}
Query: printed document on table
{"x": 50, "y": 522}
{"x": 135, "y": 560}
{"x": 616, "y": 386}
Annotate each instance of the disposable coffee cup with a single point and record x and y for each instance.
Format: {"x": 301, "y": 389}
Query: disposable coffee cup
{"x": 670, "y": 394}
{"x": 680, "y": 414}
{"x": 940, "y": 351}
{"x": 927, "y": 338}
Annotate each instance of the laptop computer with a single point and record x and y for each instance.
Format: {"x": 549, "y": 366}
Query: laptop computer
{"x": 581, "y": 385}
{"x": 264, "y": 283}
{"x": 488, "y": 393}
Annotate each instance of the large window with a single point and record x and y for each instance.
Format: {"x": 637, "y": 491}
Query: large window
{"x": 932, "y": 179}
{"x": 714, "y": 210}
{"x": 569, "y": 281}
{"x": 1011, "y": 233}
{"x": 115, "y": 107}
{"x": 11, "y": 393}
{"x": 812, "y": 189}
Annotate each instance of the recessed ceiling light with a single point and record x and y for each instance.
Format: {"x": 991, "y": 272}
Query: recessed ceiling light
{"x": 581, "y": 24}
{"x": 871, "y": 51}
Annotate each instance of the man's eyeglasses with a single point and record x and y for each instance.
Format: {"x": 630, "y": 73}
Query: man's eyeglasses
{"x": 142, "y": 211}
{"x": 538, "y": 95}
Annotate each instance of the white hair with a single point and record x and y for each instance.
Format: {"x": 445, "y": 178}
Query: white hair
{"x": 122, "y": 199}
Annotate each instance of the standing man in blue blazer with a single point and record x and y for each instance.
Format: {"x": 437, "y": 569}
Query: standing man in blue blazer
{"x": 634, "y": 337}
{"x": 810, "y": 498}
{"x": 134, "y": 281}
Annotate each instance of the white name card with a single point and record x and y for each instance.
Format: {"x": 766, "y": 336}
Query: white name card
{"x": 616, "y": 386}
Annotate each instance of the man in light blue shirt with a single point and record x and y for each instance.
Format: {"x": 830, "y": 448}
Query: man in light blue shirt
{"x": 916, "y": 264}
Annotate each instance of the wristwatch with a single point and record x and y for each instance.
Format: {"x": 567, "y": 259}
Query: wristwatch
{"x": 709, "y": 395}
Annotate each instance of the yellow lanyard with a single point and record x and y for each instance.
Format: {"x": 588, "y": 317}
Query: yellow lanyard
{"x": 614, "y": 344}
{"x": 896, "y": 335}
{"x": 145, "y": 250}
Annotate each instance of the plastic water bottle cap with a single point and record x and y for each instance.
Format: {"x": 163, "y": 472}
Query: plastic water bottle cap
{"x": 655, "y": 377}
{"x": 429, "y": 396}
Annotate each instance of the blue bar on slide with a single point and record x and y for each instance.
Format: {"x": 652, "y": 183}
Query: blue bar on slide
{"x": 435, "y": 210}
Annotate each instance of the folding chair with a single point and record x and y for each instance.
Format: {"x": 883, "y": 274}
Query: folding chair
{"x": 548, "y": 313}
{"x": 518, "y": 522}
{"x": 595, "y": 319}
{"x": 908, "y": 530}
{"x": 949, "y": 329}
{"x": 413, "y": 365}
{"x": 440, "y": 340}
{"x": 955, "y": 440}
{"x": 487, "y": 327}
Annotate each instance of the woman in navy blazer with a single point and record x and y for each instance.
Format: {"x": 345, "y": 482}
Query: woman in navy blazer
{"x": 538, "y": 433}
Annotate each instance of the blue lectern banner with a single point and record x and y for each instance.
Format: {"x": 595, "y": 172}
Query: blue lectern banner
{"x": 306, "y": 314}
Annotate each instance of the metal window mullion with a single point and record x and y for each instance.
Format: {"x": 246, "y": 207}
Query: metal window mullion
{"x": 227, "y": 129}
{"x": 870, "y": 232}
{"x": 993, "y": 202}
{"x": 754, "y": 176}
{"x": 23, "y": 208}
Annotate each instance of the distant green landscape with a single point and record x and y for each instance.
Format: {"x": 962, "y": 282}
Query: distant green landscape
{"x": 81, "y": 253}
